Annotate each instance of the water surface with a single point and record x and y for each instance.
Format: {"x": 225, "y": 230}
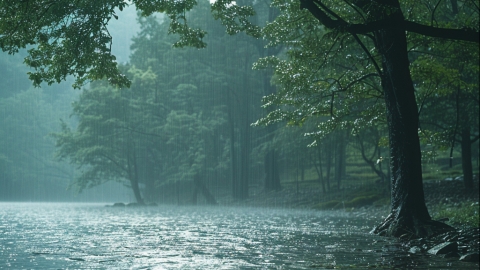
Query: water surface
{"x": 80, "y": 236}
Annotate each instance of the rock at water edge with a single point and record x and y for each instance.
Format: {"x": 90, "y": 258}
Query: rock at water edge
{"x": 444, "y": 248}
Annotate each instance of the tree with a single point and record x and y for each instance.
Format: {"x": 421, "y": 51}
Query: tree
{"x": 379, "y": 29}
{"x": 61, "y": 29}
{"x": 225, "y": 85}
{"x": 370, "y": 139}
{"x": 110, "y": 134}
{"x": 447, "y": 83}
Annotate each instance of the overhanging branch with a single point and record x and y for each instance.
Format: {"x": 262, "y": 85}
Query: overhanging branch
{"x": 466, "y": 34}
{"x": 321, "y": 15}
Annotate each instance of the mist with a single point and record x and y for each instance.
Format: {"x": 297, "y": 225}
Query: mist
{"x": 235, "y": 151}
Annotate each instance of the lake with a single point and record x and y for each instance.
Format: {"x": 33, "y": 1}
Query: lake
{"x": 92, "y": 236}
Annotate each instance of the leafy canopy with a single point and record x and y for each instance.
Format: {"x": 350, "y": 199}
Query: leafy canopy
{"x": 71, "y": 37}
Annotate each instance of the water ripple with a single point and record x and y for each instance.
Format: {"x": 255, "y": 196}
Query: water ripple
{"x": 44, "y": 236}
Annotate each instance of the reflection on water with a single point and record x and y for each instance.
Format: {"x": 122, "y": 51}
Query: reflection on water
{"x": 40, "y": 236}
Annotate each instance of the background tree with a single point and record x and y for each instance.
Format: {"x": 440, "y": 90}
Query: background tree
{"x": 448, "y": 93}
{"x": 109, "y": 137}
{"x": 224, "y": 85}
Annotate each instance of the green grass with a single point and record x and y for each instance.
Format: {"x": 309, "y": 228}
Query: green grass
{"x": 359, "y": 187}
{"x": 355, "y": 198}
{"x": 466, "y": 214}
{"x": 362, "y": 201}
{"x": 437, "y": 172}
{"x": 382, "y": 201}
{"x": 333, "y": 204}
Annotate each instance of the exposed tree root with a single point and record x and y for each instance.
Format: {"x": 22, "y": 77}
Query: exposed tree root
{"x": 410, "y": 227}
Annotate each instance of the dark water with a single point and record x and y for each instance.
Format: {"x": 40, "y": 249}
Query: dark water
{"x": 92, "y": 236}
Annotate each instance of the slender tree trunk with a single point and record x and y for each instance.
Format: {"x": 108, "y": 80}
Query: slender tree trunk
{"x": 150, "y": 189}
{"x": 233, "y": 153}
{"x": 195, "y": 193}
{"x": 369, "y": 161}
{"x": 245, "y": 130}
{"x": 136, "y": 190}
{"x": 272, "y": 177}
{"x": 133, "y": 174}
{"x": 319, "y": 169}
{"x": 382, "y": 174}
{"x": 177, "y": 192}
{"x": 467, "y": 159}
{"x": 296, "y": 175}
{"x": 328, "y": 156}
{"x": 409, "y": 214}
{"x": 340, "y": 158}
{"x": 200, "y": 186}
{"x": 245, "y": 161}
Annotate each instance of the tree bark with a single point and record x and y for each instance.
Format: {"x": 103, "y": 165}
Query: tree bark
{"x": 409, "y": 214}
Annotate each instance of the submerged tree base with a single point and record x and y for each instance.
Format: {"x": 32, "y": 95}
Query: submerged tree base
{"x": 410, "y": 227}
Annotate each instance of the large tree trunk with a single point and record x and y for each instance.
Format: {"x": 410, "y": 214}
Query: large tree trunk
{"x": 409, "y": 214}
{"x": 467, "y": 159}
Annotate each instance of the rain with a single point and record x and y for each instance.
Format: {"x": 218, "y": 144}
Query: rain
{"x": 255, "y": 138}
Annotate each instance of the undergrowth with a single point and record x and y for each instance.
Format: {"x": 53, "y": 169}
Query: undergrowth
{"x": 463, "y": 214}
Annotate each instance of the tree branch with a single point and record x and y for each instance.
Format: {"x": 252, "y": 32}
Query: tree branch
{"x": 379, "y": 71}
{"x": 466, "y": 34}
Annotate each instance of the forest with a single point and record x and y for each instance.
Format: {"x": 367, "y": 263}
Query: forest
{"x": 239, "y": 134}
{"x": 311, "y": 103}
